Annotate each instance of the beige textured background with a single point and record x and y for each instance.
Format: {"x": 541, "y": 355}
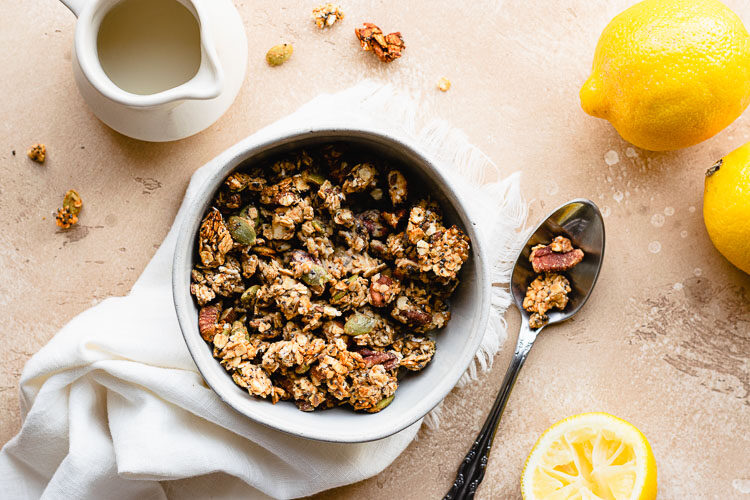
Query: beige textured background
{"x": 664, "y": 342}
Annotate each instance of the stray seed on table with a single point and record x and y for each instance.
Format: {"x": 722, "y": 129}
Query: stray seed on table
{"x": 444, "y": 84}
{"x": 279, "y": 54}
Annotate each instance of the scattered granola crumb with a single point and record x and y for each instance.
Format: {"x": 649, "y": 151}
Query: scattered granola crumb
{"x": 444, "y": 84}
{"x": 279, "y": 54}
{"x": 37, "y": 152}
{"x": 67, "y": 216}
{"x": 387, "y": 47}
{"x": 327, "y": 15}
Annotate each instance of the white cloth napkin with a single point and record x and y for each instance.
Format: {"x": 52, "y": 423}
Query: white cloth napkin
{"x": 114, "y": 406}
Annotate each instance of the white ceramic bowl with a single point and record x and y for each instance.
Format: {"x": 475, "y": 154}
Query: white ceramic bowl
{"x": 418, "y": 393}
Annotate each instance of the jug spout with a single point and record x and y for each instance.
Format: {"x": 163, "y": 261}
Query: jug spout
{"x": 75, "y": 6}
{"x": 208, "y": 82}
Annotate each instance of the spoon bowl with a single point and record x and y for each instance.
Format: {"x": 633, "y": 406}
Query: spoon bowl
{"x": 580, "y": 221}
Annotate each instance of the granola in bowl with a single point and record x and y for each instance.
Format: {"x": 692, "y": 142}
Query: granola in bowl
{"x": 320, "y": 276}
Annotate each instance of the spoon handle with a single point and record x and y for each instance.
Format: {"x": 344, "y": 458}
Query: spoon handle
{"x": 471, "y": 471}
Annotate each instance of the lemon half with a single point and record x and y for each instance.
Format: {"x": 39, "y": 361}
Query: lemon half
{"x": 590, "y": 456}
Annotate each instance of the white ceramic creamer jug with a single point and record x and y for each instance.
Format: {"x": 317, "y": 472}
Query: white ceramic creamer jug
{"x": 158, "y": 70}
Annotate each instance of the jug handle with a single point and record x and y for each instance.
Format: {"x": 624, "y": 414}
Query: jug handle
{"x": 75, "y": 6}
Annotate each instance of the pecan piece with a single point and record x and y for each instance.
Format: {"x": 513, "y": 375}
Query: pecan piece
{"x": 383, "y": 290}
{"x": 408, "y": 313}
{"x": 304, "y": 405}
{"x": 417, "y": 317}
{"x": 546, "y": 260}
{"x": 371, "y": 358}
{"x": 371, "y": 219}
{"x": 208, "y": 321}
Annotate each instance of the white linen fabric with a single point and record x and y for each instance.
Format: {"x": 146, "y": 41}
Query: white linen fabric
{"x": 114, "y": 406}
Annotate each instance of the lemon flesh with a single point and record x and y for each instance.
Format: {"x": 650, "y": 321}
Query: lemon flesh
{"x": 670, "y": 73}
{"x": 726, "y": 206}
{"x": 590, "y": 456}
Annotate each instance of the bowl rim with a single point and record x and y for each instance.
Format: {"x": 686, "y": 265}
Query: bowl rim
{"x": 181, "y": 265}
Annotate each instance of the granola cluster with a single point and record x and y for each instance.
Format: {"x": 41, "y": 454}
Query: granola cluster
{"x": 37, "y": 152}
{"x": 327, "y": 14}
{"x": 387, "y": 47}
{"x": 67, "y": 216}
{"x": 321, "y": 275}
{"x": 550, "y": 289}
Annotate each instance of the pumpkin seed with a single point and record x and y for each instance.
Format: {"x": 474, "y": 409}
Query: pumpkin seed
{"x": 72, "y": 202}
{"x": 241, "y": 230}
{"x": 314, "y": 178}
{"x": 384, "y": 402}
{"x": 248, "y": 296}
{"x": 239, "y": 327}
{"x": 359, "y": 324}
{"x": 317, "y": 276}
{"x": 279, "y": 54}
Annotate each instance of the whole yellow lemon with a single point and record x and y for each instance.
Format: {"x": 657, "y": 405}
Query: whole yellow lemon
{"x": 670, "y": 73}
{"x": 726, "y": 206}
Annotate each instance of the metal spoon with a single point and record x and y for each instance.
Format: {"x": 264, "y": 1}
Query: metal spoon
{"x": 581, "y": 221}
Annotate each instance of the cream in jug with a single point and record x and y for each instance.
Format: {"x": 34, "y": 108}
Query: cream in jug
{"x": 158, "y": 70}
{"x": 148, "y": 46}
